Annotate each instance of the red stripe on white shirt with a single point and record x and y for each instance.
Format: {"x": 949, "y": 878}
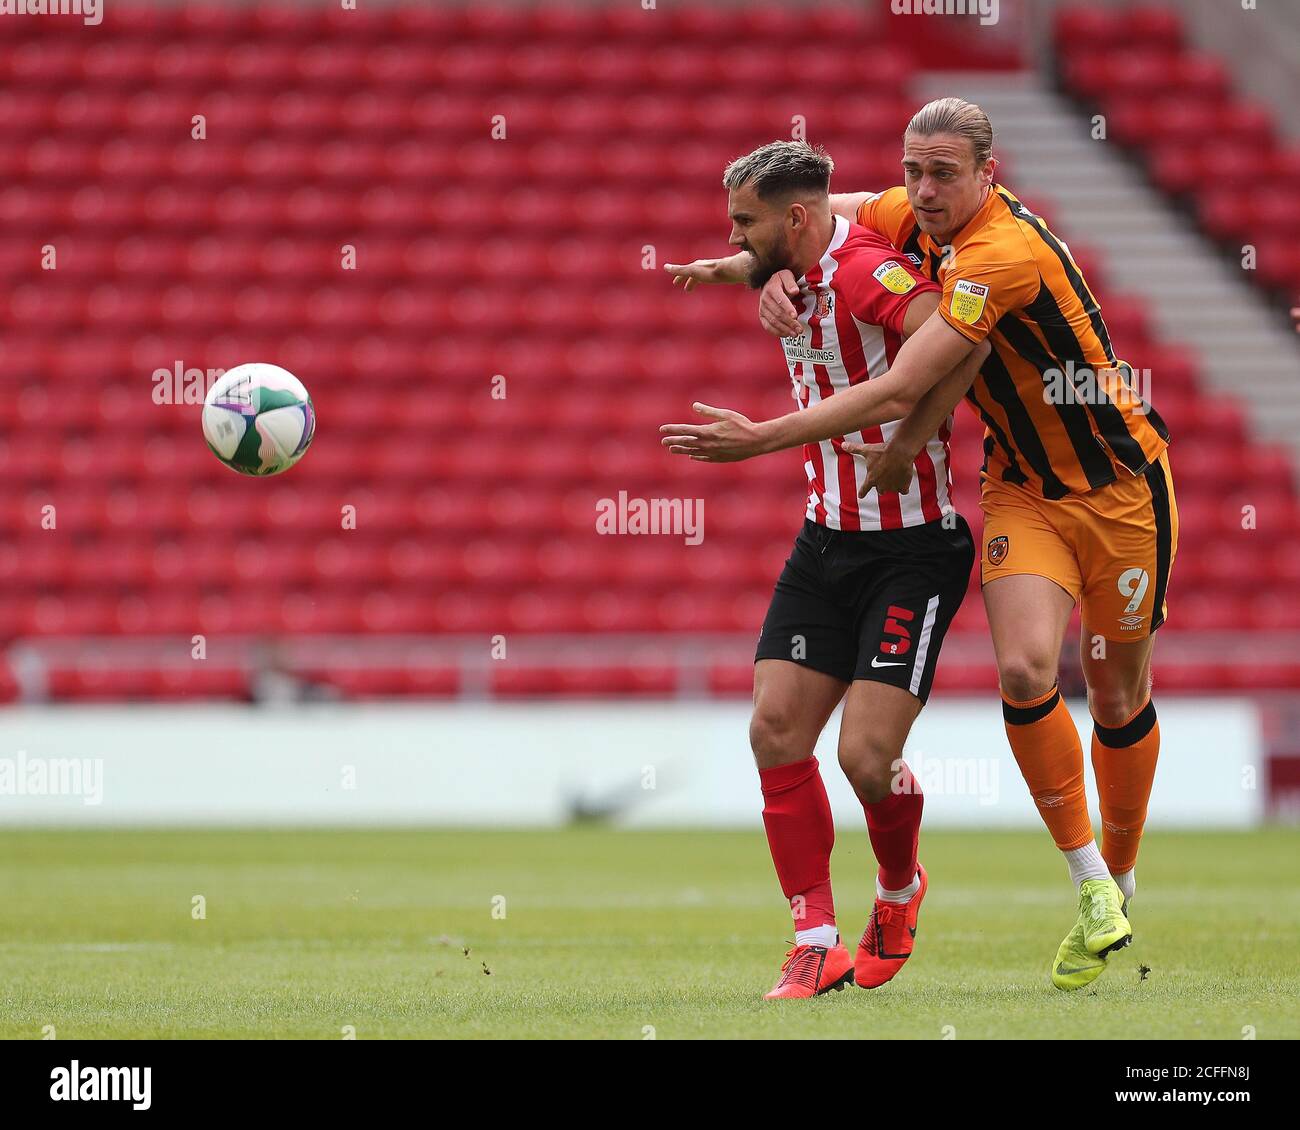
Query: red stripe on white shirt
{"x": 856, "y": 339}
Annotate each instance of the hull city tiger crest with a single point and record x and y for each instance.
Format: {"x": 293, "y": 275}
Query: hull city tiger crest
{"x": 998, "y": 550}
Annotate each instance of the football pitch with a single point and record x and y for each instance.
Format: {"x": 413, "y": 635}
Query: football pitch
{"x": 595, "y": 933}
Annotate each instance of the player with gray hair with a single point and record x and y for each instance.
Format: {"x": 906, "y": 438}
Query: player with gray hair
{"x": 861, "y": 609}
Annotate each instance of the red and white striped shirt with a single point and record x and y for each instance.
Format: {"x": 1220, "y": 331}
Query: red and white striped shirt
{"x": 853, "y": 303}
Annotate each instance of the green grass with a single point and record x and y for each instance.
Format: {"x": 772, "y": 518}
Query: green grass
{"x": 608, "y": 933}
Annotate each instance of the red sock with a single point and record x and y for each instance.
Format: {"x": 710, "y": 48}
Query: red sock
{"x": 894, "y": 825}
{"x": 800, "y": 834}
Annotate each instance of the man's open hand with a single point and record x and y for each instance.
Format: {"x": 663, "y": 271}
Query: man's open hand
{"x": 707, "y": 272}
{"x": 730, "y": 438}
{"x": 887, "y": 471}
{"x": 775, "y": 310}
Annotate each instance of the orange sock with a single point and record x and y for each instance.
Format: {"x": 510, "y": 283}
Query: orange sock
{"x": 1124, "y": 759}
{"x": 1046, "y": 744}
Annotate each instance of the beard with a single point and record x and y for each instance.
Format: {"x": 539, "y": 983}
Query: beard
{"x": 763, "y": 268}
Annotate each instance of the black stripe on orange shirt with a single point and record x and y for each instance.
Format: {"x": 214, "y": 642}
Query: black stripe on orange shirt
{"x": 1019, "y": 286}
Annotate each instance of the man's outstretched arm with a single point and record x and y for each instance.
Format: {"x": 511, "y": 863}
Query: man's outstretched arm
{"x": 890, "y": 466}
{"x": 706, "y": 272}
{"x": 735, "y": 268}
{"x": 926, "y": 357}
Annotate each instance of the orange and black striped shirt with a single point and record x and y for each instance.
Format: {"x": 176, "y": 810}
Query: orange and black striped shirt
{"x": 1060, "y": 411}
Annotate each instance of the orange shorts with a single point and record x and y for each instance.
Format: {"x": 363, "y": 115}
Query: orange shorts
{"x": 1111, "y": 549}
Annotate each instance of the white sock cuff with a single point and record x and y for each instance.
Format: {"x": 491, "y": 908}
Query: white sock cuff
{"x": 825, "y": 935}
{"x": 1126, "y": 881}
{"x": 904, "y": 895}
{"x": 1086, "y": 863}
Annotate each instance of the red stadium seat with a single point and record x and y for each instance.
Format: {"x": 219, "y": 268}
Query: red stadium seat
{"x": 536, "y": 258}
{"x": 1175, "y": 109}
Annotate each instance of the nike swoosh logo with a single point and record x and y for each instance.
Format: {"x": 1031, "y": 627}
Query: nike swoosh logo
{"x": 875, "y": 662}
{"x": 1061, "y": 969}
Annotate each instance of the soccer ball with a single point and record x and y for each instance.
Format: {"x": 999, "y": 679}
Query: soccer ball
{"x": 258, "y": 419}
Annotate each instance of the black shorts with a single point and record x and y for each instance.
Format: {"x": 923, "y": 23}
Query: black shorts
{"x": 870, "y": 604}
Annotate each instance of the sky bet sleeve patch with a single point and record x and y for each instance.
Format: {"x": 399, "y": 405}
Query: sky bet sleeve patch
{"x": 893, "y": 277}
{"x": 968, "y": 301}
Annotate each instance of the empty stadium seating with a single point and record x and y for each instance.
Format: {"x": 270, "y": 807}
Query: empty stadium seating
{"x": 1217, "y": 153}
{"x": 532, "y": 256}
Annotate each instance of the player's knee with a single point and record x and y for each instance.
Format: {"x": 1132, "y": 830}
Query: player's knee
{"x": 1114, "y": 706}
{"x": 870, "y": 768}
{"x": 1027, "y": 676}
{"x": 775, "y": 735}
